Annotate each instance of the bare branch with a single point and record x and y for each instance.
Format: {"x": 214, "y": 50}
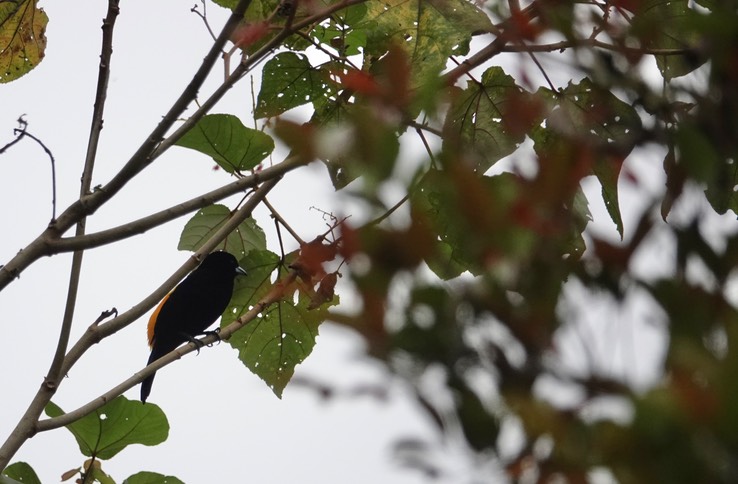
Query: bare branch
{"x": 141, "y": 225}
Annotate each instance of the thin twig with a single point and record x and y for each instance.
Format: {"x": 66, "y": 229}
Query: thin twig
{"x": 282, "y": 221}
{"x": 543, "y": 71}
{"x": 204, "y": 17}
{"x": 21, "y": 132}
{"x": 21, "y": 122}
{"x": 568, "y": 44}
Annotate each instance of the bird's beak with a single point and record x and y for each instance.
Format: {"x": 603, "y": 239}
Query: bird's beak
{"x": 240, "y": 271}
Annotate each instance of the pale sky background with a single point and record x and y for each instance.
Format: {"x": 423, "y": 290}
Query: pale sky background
{"x": 226, "y": 425}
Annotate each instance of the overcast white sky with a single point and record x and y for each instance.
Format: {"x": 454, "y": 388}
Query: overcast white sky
{"x": 226, "y": 425}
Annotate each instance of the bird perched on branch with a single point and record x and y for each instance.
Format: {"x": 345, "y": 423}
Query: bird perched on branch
{"x": 191, "y": 308}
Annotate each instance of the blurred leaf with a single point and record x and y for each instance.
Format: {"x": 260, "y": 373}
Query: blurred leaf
{"x": 233, "y": 146}
{"x": 19, "y": 472}
{"x": 480, "y": 427}
{"x": 430, "y": 331}
{"x": 590, "y": 124}
{"x": 369, "y": 148}
{"x": 288, "y": 80}
{"x": 475, "y": 123}
{"x": 198, "y": 230}
{"x": 22, "y": 38}
{"x": 340, "y": 35}
{"x": 116, "y": 425}
{"x": 608, "y": 172}
{"x": 670, "y": 24}
{"x": 151, "y": 478}
{"x": 471, "y": 217}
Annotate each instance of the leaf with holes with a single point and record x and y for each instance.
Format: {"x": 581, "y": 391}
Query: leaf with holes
{"x": 22, "y": 38}
{"x": 475, "y": 123}
{"x": 19, "y": 472}
{"x": 247, "y": 236}
{"x": 116, "y": 425}
{"x": 232, "y": 145}
{"x": 428, "y": 31}
{"x": 288, "y": 80}
{"x": 280, "y": 338}
{"x": 587, "y": 120}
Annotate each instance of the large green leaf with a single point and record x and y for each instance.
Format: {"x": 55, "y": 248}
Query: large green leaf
{"x": 232, "y": 145}
{"x": 280, "y": 338}
{"x": 116, "y": 425}
{"x": 19, "y": 472}
{"x": 288, "y": 80}
{"x": 247, "y": 236}
{"x": 475, "y": 123}
{"x": 428, "y": 31}
{"x": 22, "y": 38}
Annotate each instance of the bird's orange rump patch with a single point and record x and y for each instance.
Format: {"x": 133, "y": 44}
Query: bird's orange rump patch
{"x": 152, "y": 320}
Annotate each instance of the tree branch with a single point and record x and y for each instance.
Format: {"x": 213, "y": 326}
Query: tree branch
{"x": 159, "y": 218}
{"x": 52, "y": 377}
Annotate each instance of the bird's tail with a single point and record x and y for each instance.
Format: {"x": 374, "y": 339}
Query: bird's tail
{"x": 156, "y": 353}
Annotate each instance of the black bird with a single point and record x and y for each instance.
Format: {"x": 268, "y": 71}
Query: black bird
{"x": 191, "y": 308}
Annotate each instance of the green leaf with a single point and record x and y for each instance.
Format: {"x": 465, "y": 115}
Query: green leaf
{"x": 339, "y": 33}
{"x": 591, "y": 120}
{"x": 608, "y": 173}
{"x": 116, "y": 425}
{"x": 229, "y": 4}
{"x": 288, "y": 81}
{"x": 280, "y": 338}
{"x": 346, "y": 42}
{"x": 19, "y": 472}
{"x": 670, "y": 24}
{"x": 470, "y": 222}
{"x": 249, "y": 289}
{"x": 232, "y": 145}
{"x": 428, "y": 31}
{"x": 22, "y": 38}
{"x": 475, "y": 121}
{"x": 151, "y": 478}
{"x": 198, "y": 230}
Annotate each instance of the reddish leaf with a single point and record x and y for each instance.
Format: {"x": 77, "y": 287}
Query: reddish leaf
{"x": 350, "y": 241}
{"x": 359, "y": 81}
{"x": 309, "y": 263}
{"x": 325, "y": 292}
{"x": 248, "y": 34}
{"x": 299, "y": 137}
